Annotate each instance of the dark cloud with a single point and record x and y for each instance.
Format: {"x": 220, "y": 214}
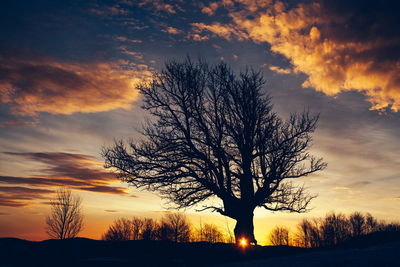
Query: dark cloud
{"x": 75, "y": 171}
{"x": 359, "y": 184}
{"x": 366, "y": 21}
{"x": 17, "y": 196}
{"x": 77, "y": 167}
{"x": 169, "y": 7}
{"x": 111, "y": 210}
{"x": 17, "y": 122}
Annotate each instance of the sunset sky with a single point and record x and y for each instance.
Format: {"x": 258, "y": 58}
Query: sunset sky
{"x": 68, "y": 71}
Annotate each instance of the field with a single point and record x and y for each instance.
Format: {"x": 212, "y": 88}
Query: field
{"x": 371, "y": 250}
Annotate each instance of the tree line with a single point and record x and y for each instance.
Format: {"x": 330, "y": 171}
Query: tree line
{"x": 66, "y": 221}
{"x": 173, "y": 227}
{"x": 331, "y": 230}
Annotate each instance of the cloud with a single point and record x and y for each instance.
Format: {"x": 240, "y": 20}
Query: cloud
{"x": 341, "y": 188}
{"x": 280, "y": 70}
{"x": 17, "y": 196}
{"x": 75, "y": 171}
{"x": 393, "y": 198}
{"x": 17, "y": 122}
{"x": 111, "y": 210}
{"x": 172, "y": 30}
{"x": 31, "y": 85}
{"x": 359, "y": 184}
{"x": 161, "y": 5}
{"x": 109, "y": 11}
{"x": 210, "y": 9}
{"x": 227, "y": 31}
{"x": 341, "y": 45}
{"x": 125, "y": 39}
{"x": 197, "y": 37}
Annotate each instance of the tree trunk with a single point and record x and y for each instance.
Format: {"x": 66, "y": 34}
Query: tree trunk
{"x": 245, "y": 228}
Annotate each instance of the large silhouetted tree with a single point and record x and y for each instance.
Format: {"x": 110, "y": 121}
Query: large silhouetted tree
{"x": 213, "y": 134}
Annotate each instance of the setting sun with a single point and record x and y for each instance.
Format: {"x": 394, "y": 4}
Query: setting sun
{"x": 243, "y": 242}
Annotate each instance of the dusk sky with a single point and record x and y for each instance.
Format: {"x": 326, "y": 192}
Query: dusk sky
{"x": 68, "y": 76}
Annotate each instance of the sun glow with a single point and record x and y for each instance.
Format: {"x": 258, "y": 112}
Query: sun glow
{"x": 243, "y": 242}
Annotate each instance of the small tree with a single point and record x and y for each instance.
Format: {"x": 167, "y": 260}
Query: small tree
{"x": 165, "y": 231}
{"x": 279, "y": 236}
{"x": 180, "y": 227}
{"x": 371, "y": 223}
{"x": 209, "y": 233}
{"x": 150, "y": 229}
{"x": 308, "y": 233}
{"x": 335, "y": 229}
{"x": 120, "y": 230}
{"x": 358, "y": 224}
{"x": 65, "y": 219}
{"x": 137, "y": 228}
{"x": 214, "y": 134}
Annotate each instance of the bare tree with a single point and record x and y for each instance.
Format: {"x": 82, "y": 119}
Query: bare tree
{"x": 137, "y": 228}
{"x": 120, "y": 230}
{"x": 229, "y": 236}
{"x": 308, "y": 233}
{"x": 180, "y": 227}
{"x": 371, "y": 223}
{"x": 65, "y": 219}
{"x": 209, "y": 233}
{"x": 165, "y": 231}
{"x": 150, "y": 229}
{"x": 214, "y": 134}
{"x": 358, "y": 224}
{"x": 279, "y": 236}
{"x": 335, "y": 229}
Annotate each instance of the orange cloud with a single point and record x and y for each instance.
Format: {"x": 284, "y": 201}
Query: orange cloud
{"x": 336, "y": 46}
{"x": 172, "y": 30}
{"x": 280, "y": 70}
{"x": 75, "y": 171}
{"x": 227, "y": 31}
{"x": 210, "y": 9}
{"x": 125, "y": 39}
{"x": 32, "y": 85}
